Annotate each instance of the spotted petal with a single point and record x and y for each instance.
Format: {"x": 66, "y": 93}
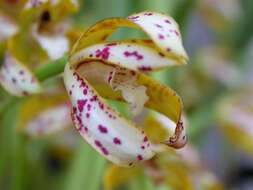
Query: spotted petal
{"x": 44, "y": 115}
{"x": 165, "y": 48}
{"x": 17, "y": 79}
{"x": 99, "y": 69}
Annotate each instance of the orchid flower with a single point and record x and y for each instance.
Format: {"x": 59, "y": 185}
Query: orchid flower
{"x": 180, "y": 169}
{"x": 98, "y": 69}
{"x": 44, "y": 30}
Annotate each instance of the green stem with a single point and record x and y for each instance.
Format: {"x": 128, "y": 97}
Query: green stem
{"x": 51, "y": 69}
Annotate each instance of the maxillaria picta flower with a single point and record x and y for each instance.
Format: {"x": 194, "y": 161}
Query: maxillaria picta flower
{"x": 97, "y": 69}
{"x": 40, "y": 36}
{"x": 177, "y": 169}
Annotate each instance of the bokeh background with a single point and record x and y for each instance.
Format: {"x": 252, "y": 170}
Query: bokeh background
{"x": 216, "y": 88}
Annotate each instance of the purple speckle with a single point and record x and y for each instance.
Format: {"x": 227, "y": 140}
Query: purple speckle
{"x": 81, "y": 104}
{"x": 140, "y": 157}
{"x": 167, "y": 21}
{"x": 103, "y": 53}
{"x": 98, "y": 143}
{"x": 102, "y": 129}
{"x": 135, "y": 54}
{"x": 145, "y": 139}
{"x": 116, "y": 141}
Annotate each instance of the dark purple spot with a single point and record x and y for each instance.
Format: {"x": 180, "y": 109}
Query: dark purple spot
{"x": 21, "y": 72}
{"x": 148, "y": 14}
{"x": 145, "y": 139}
{"x": 143, "y": 147}
{"x": 160, "y": 36}
{"x": 168, "y": 49}
{"x": 104, "y": 150}
{"x": 91, "y": 55}
{"x": 158, "y": 25}
{"x": 102, "y": 129}
{"x": 133, "y": 17}
{"x": 98, "y": 143}
{"x": 116, "y": 141}
{"x": 85, "y": 91}
{"x": 103, "y": 53}
{"x": 70, "y": 92}
{"x": 87, "y": 115}
{"x": 144, "y": 68}
{"x": 135, "y": 54}
{"x": 81, "y": 104}
{"x": 140, "y": 157}
{"x": 88, "y": 107}
{"x": 167, "y": 21}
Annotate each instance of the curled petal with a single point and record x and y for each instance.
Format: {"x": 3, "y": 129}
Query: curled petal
{"x": 40, "y": 116}
{"x": 109, "y": 69}
{"x": 17, "y": 79}
{"x": 166, "y": 42}
{"x": 104, "y": 129}
{"x": 166, "y": 131}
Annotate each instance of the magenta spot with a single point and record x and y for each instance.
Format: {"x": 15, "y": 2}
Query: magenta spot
{"x": 160, "y": 36}
{"x": 168, "y": 49}
{"x": 101, "y": 105}
{"x": 85, "y": 91}
{"x": 158, "y": 25}
{"x": 104, "y": 150}
{"x": 91, "y": 55}
{"x": 116, "y": 141}
{"x": 88, "y": 107}
{"x": 94, "y": 98}
{"x": 176, "y": 32}
{"x": 87, "y": 115}
{"x": 140, "y": 157}
{"x": 86, "y": 129}
{"x": 81, "y": 104}
{"x": 70, "y": 92}
{"x": 145, "y": 139}
{"x": 73, "y": 86}
{"x": 80, "y": 129}
{"x": 103, "y": 53}
{"x": 133, "y": 17}
{"x": 21, "y": 72}
{"x": 102, "y": 129}
{"x": 167, "y": 21}
{"x": 148, "y": 14}
{"x": 135, "y": 54}
{"x": 143, "y": 147}
{"x": 144, "y": 68}
{"x": 98, "y": 143}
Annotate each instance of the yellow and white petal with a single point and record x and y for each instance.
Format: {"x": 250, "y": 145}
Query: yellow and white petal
{"x": 17, "y": 79}
{"x": 165, "y": 42}
{"x": 97, "y": 68}
{"x": 44, "y": 115}
{"x": 116, "y": 138}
